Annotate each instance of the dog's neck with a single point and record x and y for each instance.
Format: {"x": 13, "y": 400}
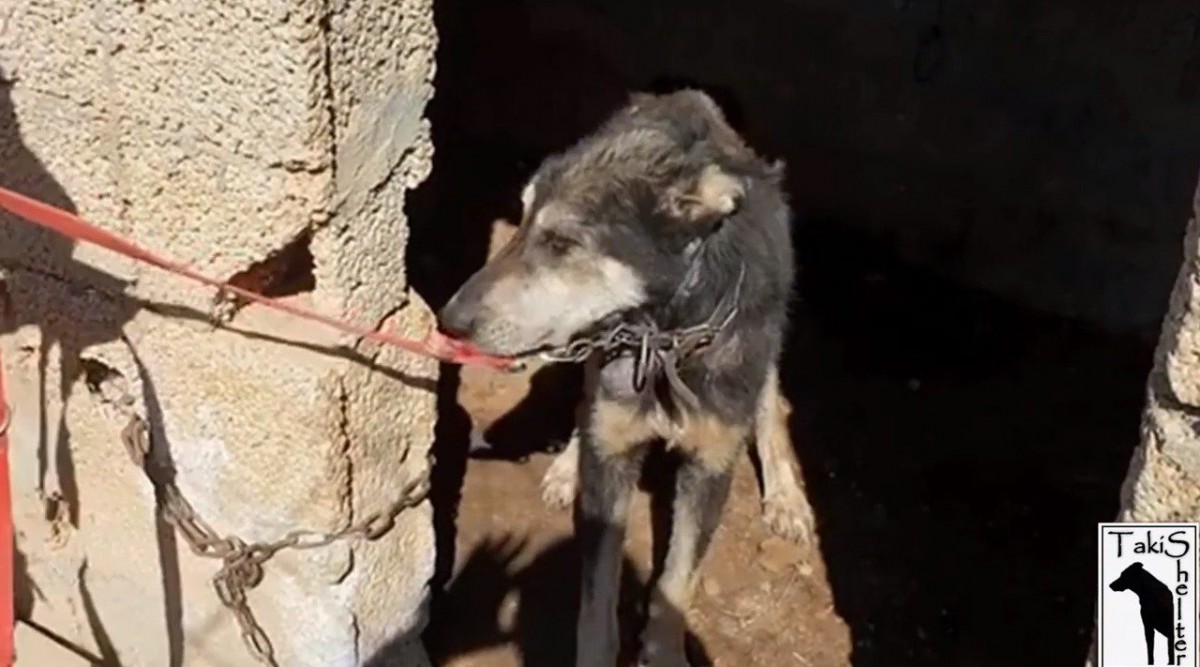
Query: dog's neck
{"x": 685, "y": 328}
{"x": 709, "y": 289}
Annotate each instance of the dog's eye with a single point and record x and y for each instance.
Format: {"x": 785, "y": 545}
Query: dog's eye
{"x": 558, "y": 243}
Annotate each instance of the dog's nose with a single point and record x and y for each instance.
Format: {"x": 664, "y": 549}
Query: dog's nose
{"x": 456, "y": 321}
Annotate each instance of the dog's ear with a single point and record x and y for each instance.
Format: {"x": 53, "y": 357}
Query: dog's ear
{"x": 706, "y": 198}
{"x": 527, "y": 196}
{"x": 639, "y": 99}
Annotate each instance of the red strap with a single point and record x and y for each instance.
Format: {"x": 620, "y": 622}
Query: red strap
{"x": 6, "y": 533}
{"x": 72, "y": 226}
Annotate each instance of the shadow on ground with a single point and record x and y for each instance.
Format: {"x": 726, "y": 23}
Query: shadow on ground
{"x": 958, "y": 452}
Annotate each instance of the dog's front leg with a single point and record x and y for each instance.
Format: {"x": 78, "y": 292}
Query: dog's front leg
{"x": 607, "y": 474}
{"x": 559, "y": 484}
{"x": 700, "y": 494}
{"x": 785, "y": 506}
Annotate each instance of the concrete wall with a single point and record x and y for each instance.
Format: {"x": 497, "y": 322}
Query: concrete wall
{"x": 219, "y": 133}
{"x": 1040, "y": 150}
{"x": 1164, "y": 479}
{"x": 1163, "y": 482}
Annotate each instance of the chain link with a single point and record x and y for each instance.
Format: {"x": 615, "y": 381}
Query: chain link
{"x": 637, "y": 336}
{"x": 647, "y": 338}
{"x": 657, "y": 352}
{"x": 242, "y": 563}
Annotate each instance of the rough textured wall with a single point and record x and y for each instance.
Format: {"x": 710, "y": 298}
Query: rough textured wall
{"x": 1164, "y": 478}
{"x": 220, "y": 134}
{"x": 1041, "y": 150}
{"x": 1163, "y": 483}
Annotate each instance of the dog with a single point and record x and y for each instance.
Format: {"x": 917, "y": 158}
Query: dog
{"x": 1157, "y": 603}
{"x": 657, "y": 251}
{"x": 785, "y": 507}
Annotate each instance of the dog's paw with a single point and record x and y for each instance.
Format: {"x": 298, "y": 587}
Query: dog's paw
{"x": 559, "y": 484}
{"x": 789, "y": 516}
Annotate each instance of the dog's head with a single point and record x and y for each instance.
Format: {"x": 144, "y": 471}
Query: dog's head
{"x": 608, "y": 226}
{"x": 1128, "y": 577}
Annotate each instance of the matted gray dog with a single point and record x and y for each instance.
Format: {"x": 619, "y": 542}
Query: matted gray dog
{"x": 658, "y": 252}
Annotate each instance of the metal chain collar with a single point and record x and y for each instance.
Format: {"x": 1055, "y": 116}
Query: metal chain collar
{"x": 242, "y": 563}
{"x": 656, "y": 351}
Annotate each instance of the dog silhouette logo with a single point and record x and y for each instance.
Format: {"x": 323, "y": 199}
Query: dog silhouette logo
{"x": 1147, "y": 597}
{"x": 1157, "y": 603}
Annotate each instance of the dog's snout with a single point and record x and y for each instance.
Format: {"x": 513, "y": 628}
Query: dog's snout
{"x": 456, "y": 320}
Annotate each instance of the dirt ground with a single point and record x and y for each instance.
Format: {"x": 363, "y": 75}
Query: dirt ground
{"x": 958, "y": 452}
{"x": 517, "y": 572}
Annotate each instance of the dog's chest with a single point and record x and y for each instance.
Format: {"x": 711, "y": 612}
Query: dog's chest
{"x": 625, "y": 417}
{"x": 617, "y": 383}
{"x": 616, "y": 380}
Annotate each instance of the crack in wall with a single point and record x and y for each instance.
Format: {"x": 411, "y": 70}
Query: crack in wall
{"x": 345, "y": 442}
{"x": 344, "y": 445}
{"x": 327, "y": 38}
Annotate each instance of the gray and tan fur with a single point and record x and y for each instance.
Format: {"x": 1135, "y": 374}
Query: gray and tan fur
{"x": 662, "y": 212}
{"x": 785, "y": 506}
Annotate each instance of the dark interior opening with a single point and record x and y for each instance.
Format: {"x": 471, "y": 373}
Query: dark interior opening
{"x": 990, "y": 201}
{"x": 286, "y": 272}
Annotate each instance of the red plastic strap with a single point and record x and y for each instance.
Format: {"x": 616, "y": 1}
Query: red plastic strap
{"x": 72, "y": 226}
{"x": 6, "y": 532}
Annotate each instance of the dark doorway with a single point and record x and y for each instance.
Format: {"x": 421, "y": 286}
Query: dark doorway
{"x": 988, "y": 228}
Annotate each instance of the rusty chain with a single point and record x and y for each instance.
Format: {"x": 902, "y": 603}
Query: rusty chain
{"x": 657, "y": 352}
{"x": 242, "y": 563}
{"x": 643, "y": 337}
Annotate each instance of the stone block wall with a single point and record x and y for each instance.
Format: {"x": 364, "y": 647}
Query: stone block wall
{"x": 1163, "y": 482}
{"x": 1164, "y": 478}
{"x": 273, "y": 141}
